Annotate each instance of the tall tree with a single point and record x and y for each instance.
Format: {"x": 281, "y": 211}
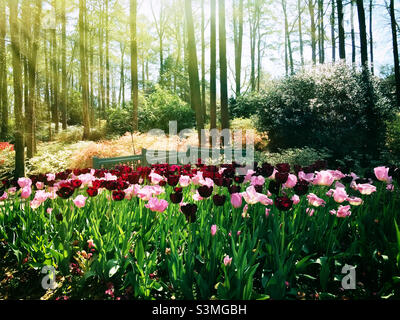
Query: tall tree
{"x": 223, "y": 68}
{"x": 238, "y": 41}
{"x": 32, "y": 57}
{"x": 213, "y": 66}
{"x": 107, "y": 27}
{"x": 195, "y": 97}
{"x": 333, "y": 32}
{"x": 84, "y": 76}
{"x": 342, "y": 44}
{"x": 102, "y": 99}
{"x": 203, "y": 62}
{"x": 161, "y": 26}
{"x": 395, "y": 51}
{"x": 311, "y": 9}
{"x": 63, "y": 66}
{"x": 300, "y": 24}
{"x": 372, "y": 138}
{"x": 17, "y": 82}
{"x": 371, "y": 37}
{"x": 321, "y": 32}
{"x": 134, "y": 66}
{"x": 3, "y": 73}
{"x": 55, "y": 84}
{"x": 353, "y": 37}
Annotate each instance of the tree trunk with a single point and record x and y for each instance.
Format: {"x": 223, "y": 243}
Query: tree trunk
{"x": 300, "y": 33}
{"x": 47, "y": 85}
{"x": 223, "y": 68}
{"x": 238, "y": 41}
{"x": 333, "y": 33}
{"x": 313, "y": 30}
{"x": 107, "y": 56}
{"x": 102, "y": 101}
{"x": 64, "y": 67}
{"x": 213, "y": 67}
{"x": 17, "y": 81}
{"x": 203, "y": 64}
{"x": 395, "y": 52}
{"x": 84, "y": 78}
{"x": 32, "y": 57}
{"x": 371, "y": 37}
{"x": 3, "y": 74}
{"x": 342, "y": 44}
{"x": 134, "y": 66}
{"x": 321, "y": 31}
{"x": 353, "y": 37}
{"x": 195, "y": 97}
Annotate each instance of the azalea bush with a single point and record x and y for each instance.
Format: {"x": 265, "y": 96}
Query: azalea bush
{"x": 203, "y": 232}
{"x": 324, "y": 107}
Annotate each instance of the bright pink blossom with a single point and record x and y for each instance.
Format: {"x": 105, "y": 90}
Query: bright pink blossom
{"x": 80, "y": 201}
{"x": 158, "y": 205}
{"x": 291, "y": 181}
{"x": 323, "y": 178}
{"x": 213, "y": 229}
{"x": 295, "y": 199}
{"x": 227, "y": 261}
{"x": 315, "y": 201}
{"x": 236, "y": 200}
{"x": 382, "y": 174}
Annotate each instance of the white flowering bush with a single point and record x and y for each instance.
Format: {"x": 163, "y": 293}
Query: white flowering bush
{"x": 322, "y": 107}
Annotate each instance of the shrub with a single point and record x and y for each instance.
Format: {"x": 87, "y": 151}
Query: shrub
{"x": 163, "y": 106}
{"x": 7, "y": 156}
{"x": 324, "y": 107}
{"x": 393, "y": 138}
{"x": 71, "y": 135}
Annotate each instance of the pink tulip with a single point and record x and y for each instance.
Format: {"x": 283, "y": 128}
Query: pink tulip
{"x": 365, "y": 188}
{"x": 213, "y": 229}
{"x": 390, "y": 187}
{"x": 26, "y": 192}
{"x": 310, "y": 212}
{"x": 315, "y": 201}
{"x": 354, "y": 201}
{"x": 309, "y": 177}
{"x": 337, "y": 175}
{"x": 263, "y": 199}
{"x": 227, "y": 261}
{"x": 197, "y": 196}
{"x": 155, "y": 178}
{"x": 50, "y": 176}
{"x": 49, "y": 210}
{"x": 80, "y": 201}
{"x": 342, "y": 212}
{"x": 257, "y": 180}
{"x": 323, "y": 178}
{"x": 207, "y": 182}
{"x": 291, "y": 181}
{"x": 4, "y": 196}
{"x": 12, "y": 190}
{"x": 236, "y": 200}
{"x": 248, "y": 175}
{"x": 158, "y": 205}
{"x": 184, "y": 181}
{"x": 244, "y": 213}
{"x": 382, "y": 174}
{"x": 39, "y": 185}
{"x": 267, "y": 211}
{"x": 90, "y": 243}
{"x": 295, "y": 199}
{"x": 24, "y": 182}
{"x": 339, "y": 194}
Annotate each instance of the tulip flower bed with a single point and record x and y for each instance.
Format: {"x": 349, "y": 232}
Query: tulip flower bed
{"x": 201, "y": 232}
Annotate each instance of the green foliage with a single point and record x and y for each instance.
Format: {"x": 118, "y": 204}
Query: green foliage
{"x": 393, "y": 138}
{"x": 7, "y": 163}
{"x": 163, "y": 106}
{"x": 324, "y": 107}
{"x": 301, "y": 156}
{"x": 74, "y": 108}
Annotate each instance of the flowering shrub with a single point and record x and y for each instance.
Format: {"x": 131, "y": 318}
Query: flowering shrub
{"x": 321, "y": 107}
{"x": 204, "y": 232}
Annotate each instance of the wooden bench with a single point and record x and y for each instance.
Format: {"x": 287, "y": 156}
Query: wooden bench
{"x": 191, "y": 155}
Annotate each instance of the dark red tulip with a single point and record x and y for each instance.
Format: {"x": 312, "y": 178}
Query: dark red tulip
{"x": 238, "y": 179}
{"x": 97, "y": 184}
{"x": 92, "y": 192}
{"x": 234, "y": 189}
{"x": 65, "y": 192}
{"x": 76, "y": 183}
{"x": 205, "y": 191}
{"x": 281, "y": 178}
{"x": 301, "y": 187}
{"x": 274, "y": 187}
{"x": 219, "y": 200}
{"x": 283, "y": 203}
{"x": 267, "y": 170}
{"x": 283, "y": 167}
{"x": 162, "y": 183}
{"x": 176, "y": 197}
{"x": 259, "y": 188}
{"x": 178, "y": 189}
{"x": 173, "y": 180}
{"x": 189, "y": 210}
{"x": 118, "y": 195}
